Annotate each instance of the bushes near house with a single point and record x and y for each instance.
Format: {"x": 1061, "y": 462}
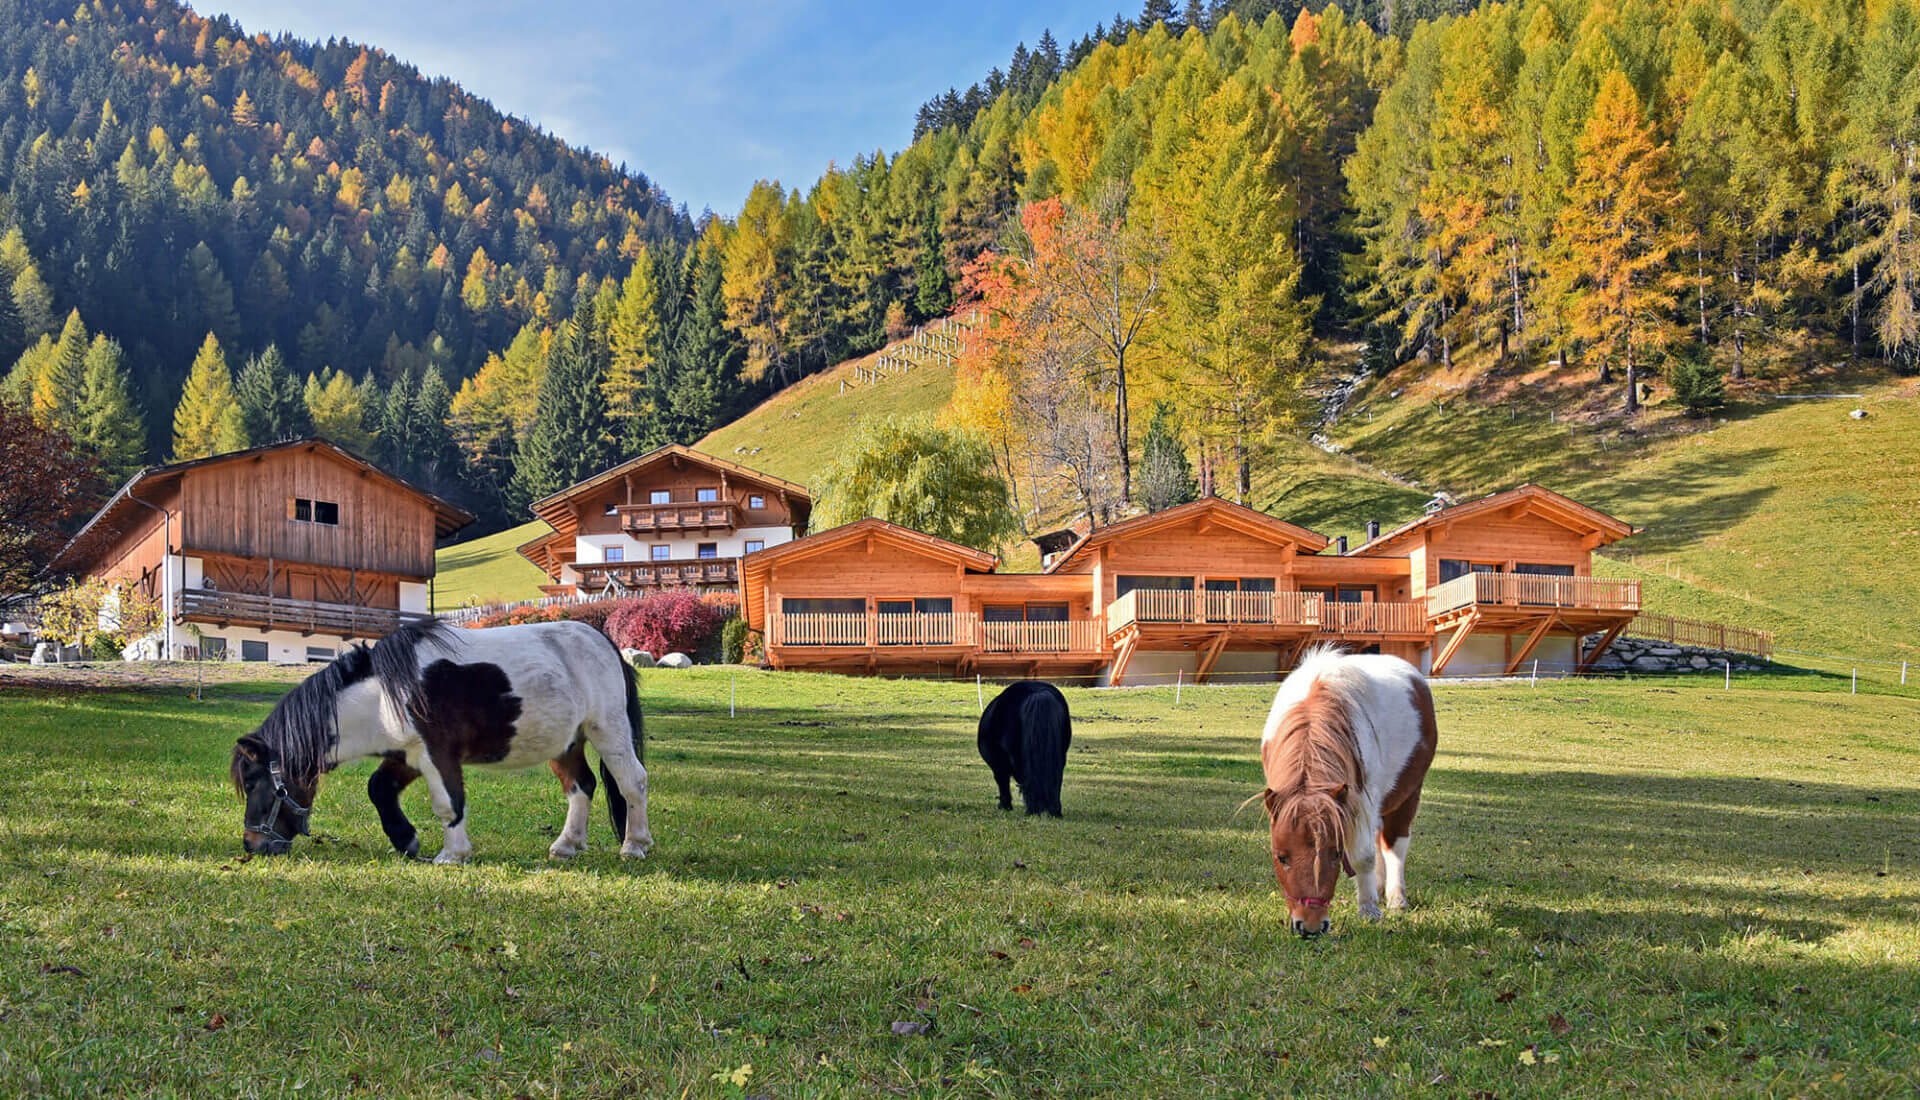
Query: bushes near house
{"x": 666, "y": 622}
{"x": 733, "y": 641}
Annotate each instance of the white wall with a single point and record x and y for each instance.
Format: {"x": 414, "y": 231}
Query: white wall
{"x": 591, "y": 549}
{"x": 1486, "y": 654}
{"x": 283, "y": 646}
{"x": 1158, "y": 666}
{"x": 413, "y": 596}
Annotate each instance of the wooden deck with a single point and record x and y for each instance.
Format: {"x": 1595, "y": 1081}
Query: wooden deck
{"x": 1533, "y": 604}
{"x": 650, "y": 519}
{"x": 657, "y": 574}
{"x": 306, "y": 616}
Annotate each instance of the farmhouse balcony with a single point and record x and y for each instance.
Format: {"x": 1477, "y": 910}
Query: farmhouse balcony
{"x": 206, "y": 605}
{"x": 595, "y": 576}
{"x": 1531, "y": 593}
{"x": 936, "y": 630}
{"x": 1308, "y": 612}
{"x": 653, "y": 519}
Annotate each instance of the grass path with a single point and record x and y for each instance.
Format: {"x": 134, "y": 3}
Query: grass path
{"x": 1662, "y": 887}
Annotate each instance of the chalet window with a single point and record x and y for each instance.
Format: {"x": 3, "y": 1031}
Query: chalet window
{"x": 324, "y": 512}
{"x": 756, "y": 502}
{"x": 616, "y": 553}
{"x": 706, "y": 496}
{"x": 612, "y": 510}
{"x": 1544, "y": 570}
{"x": 755, "y": 545}
{"x": 922, "y": 606}
{"x": 253, "y": 651}
{"x": 1025, "y": 613}
{"x": 1452, "y": 568}
{"x": 1239, "y": 584}
{"x": 660, "y": 496}
{"x": 320, "y": 654}
{"x": 707, "y": 550}
{"x": 1126, "y": 583}
{"x": 854, "y": 605}
{"x": 213, "y": 649}
{"x": 662, "y": 552}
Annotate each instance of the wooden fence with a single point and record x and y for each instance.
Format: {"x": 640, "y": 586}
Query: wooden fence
{"x": 1705, "y": 635}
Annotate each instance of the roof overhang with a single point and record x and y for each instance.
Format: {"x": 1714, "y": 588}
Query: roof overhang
{"x": 756, "y": 567}
{"x": 1599, "y": 528}
{"x": 557, "y": 509}
{"x": 1202, "y": 514}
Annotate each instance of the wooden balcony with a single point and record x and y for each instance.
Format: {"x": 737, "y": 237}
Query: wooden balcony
{"x": 1302, "y": 612}
{"x": 594, "y": 576}
{"x": 654, "y": 519}
{"x": 204, "y": 605}
{"x": 1529, "y": 592}
{"x": 1080, "y": 637}
{"x": 1379, "y": 619}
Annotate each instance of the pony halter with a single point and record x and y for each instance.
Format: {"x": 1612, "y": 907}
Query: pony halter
{"x": 282, "y": 801}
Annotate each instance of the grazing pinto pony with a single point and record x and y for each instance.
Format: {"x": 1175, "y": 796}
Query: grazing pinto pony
{"x": 429, "y": 700}
{"x": 1346, "y": 747}
{"x": 1024, "y": 734}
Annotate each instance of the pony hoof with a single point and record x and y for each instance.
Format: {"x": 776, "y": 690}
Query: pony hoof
{"x": 1396, "y": 903}
{"x": 449, "y": 857}
{"x": 1370, "y": 912}
{"x": 563, "y": 850}
{"x": 412, "y": 850}
{"x": 636, "y": 849}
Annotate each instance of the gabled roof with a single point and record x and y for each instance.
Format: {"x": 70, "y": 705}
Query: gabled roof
{"x": 554, "y": 508}
{"x": 545, "y": 552}
{"x": 1227, "y": 514}
{"x": 755, "y": 566}
{"x": 1528, "y": 499}
{"x": 125, "y": 506}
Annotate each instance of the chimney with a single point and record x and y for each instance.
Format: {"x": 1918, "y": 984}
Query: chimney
{"x": 1373, "y": 529}
{"x": 1340, "y": 544}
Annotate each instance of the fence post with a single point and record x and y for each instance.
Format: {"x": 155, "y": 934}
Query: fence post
{"x": 1729, "y": 665}
{"x": 1903, "y": 674}
{"x": 732, "y": 696}
{"x": 979, "y": 693}
{"x": 1856, "y": 681}
{"x": 1179, "y": 679}
{"x": 1534, "y": 680}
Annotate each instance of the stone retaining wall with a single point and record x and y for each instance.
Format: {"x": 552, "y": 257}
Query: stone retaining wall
{"x": 1631, "y": 654}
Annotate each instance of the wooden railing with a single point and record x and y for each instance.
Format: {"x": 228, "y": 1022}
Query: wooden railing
{"x": 963, "y": 631}
{"x": 1378, "y": 617}
{"x": 1165, "y": 605}
{"x": 1534, "y": 590}
{"x": 1065, "y": 636}
{"x": 684, "y": 516}
{"x": 276, "y": 613}
{"x": 656, "y": 574}
{"x": 1694, "y": 632}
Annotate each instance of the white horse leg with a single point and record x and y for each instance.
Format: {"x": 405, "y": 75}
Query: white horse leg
{"x": 574, "y": 777}
{"x": 1366, "y": 881}
{"x": 615, "y": 746}
{"x": 450, "y": 806}
{"x": 1393, "y": 857}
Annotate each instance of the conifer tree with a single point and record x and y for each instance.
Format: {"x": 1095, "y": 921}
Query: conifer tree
{"x": 61, "y": 385}
{"x": 1166, "y": 477}
{"x": 110, "y": 423}
{"x": 272, "y": 401}
{"x": 568, "y": 439}
{"x": 207, "y": 419}
{"x": 1882, "y": 144}
{"x": 337, "y": 410}
{"x": 13, "y": 336}
{"x": 634, "y": 342}
{"x": 933, "y": 287}
{"x": 436, "y": 461}
{"x": 399, "y": 427}
{"x": 1616, "y": 237}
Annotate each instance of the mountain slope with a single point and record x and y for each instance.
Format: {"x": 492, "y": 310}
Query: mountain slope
{"x": 174, "y": 176}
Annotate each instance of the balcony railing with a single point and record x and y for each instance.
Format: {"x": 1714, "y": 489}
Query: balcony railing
{"x": 1528, "y": 590}
{"x": 277, "y": 613}
{"x": 657, "y": 574}
{"x": 941, "y": 630}
{"x": 684, "y": 516}
{"x": 1380, "y": 617}
{"x": 1164, "y": 605}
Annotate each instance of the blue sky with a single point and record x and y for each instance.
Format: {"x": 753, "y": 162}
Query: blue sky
{"x": 703, "y": 96}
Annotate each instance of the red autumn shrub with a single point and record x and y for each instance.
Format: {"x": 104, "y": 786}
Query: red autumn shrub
{"x": 594, "y": 613}
{"x": 726, "y": 600}
{"x": 665, "y": 622}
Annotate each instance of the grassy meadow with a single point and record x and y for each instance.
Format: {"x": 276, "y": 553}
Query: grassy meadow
{"x": 488, "y": 569}
{"x": 1656, "y": 885}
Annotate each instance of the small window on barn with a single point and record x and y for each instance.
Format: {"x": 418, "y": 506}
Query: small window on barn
{"x": 323, "y": 512}
{"x": 613, "y": 509}
{"x": 213, "y": 649}
{"x": 706, "y": 496}
{"x": 616, "y": 553}
{"x": 708, "y": 550}
{"x": 756, "y": 502}
{"x": 662, "y": 552}
{"x": 755, "y": 546}
{"x": 660, "y": 496}
{"x": 319, "y": 654}
{"x": 253, "y": 651}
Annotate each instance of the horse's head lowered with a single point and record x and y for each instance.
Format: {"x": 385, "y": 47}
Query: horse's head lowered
{"x": 1309, "y": 851}
{"x": 278, "y": 801}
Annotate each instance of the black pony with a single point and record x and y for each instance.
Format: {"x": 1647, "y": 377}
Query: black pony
{"x": 1024, "y": 734}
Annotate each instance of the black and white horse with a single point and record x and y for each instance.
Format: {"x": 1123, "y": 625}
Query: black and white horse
{"x": 430, "y": 700}
{"x": 1024, "y": 734}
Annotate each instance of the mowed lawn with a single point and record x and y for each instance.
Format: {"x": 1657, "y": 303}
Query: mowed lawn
{"x": 1659, "y": 886}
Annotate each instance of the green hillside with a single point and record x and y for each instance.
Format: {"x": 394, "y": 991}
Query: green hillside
{"x": 487, "y": 570}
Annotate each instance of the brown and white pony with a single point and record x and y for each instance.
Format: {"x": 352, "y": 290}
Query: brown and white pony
{"x": 1346, "y": 747}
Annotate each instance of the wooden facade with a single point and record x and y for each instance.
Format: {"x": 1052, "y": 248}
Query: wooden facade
{"x": 1203, "y": 590}
{"x": 296, "y": 539}
{"x": 673, "y": 517}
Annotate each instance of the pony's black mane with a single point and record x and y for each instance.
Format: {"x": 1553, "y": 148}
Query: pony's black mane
{"x": 302, "y": 728}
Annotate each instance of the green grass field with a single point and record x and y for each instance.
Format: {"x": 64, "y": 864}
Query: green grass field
{"x": 488, "y": 569}
{"x": 1656, "y": 886}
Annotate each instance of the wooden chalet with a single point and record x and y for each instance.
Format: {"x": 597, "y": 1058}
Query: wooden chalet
{"x": 1204, "y": 590}
{"x": 671, "y": 518}
{"x": 274, "y": 553}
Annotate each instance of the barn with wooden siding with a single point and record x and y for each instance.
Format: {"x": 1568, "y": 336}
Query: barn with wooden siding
{"x": 275, "y": 553}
